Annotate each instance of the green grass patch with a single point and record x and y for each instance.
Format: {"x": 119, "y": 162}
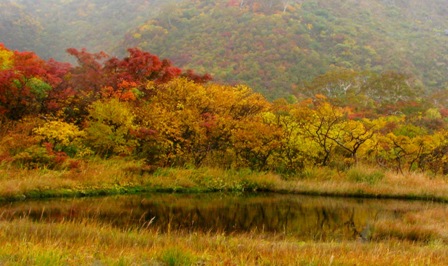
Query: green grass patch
{"x": 176, "y": 257}
{"x": 365, "y": 174}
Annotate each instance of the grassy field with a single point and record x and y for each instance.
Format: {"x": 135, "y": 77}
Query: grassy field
{"x": 418, "y": 238}
{"x": 117, "y": 176}
{"x": 87, "y": 243}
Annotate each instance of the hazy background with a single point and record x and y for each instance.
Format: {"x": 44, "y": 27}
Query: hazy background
{"x": 275, "y": 46}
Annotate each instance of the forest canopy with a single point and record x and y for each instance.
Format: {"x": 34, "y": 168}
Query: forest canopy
{"x": 55, "y": 115}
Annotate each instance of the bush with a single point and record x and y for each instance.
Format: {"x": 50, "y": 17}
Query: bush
{"x": 38, "y": 157}
{"x": 176, "y": 256}
{"x": 63, "y": 136}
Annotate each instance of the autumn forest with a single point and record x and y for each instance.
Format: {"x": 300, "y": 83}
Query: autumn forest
{"x": 142, "y": 107}
{"x": 227, "y": 132}
{"x": 309, "y": 90}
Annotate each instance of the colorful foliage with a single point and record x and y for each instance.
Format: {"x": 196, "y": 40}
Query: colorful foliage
{"x": 143, "y": 107}
{"x": 25, "y": 82}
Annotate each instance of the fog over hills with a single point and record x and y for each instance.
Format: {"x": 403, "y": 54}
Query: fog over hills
{"x": 275, "y": 46}
{"x": 49, "y": 27}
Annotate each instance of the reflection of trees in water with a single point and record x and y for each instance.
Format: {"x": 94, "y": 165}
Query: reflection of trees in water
{"x": 289, "y": 218}
{"x": 306, "y": 218}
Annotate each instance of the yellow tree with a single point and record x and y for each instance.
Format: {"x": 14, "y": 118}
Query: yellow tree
{"x": 109, "y": 128}
{"x": 402, "y": 146}
{"x": 194, "y": 121}
{"x": 172, "y": 122}
{"x": 320, "y": 123}
{"x": 350, "y": 135}
{"x": 297, "y": 151}
{"x": 64, "y": 137}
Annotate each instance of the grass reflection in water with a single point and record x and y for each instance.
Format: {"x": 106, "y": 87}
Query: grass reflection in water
{"x": 302, "y": 217}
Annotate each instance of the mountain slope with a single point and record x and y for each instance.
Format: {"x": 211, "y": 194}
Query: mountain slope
{"x": 49, "y": 27}
{"x": 275, "y": 52}
{"x": 275, "y": 46}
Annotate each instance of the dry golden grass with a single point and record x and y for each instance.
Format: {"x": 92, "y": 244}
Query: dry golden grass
{"x": 115, "y": 175}
{"x": 70, "y": 243}
{"x": 425, "y": 226}
{"x": 416, "y": 238}
{"x": 391, "y": 185}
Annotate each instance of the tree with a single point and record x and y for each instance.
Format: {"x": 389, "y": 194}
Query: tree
{"x": 352, "y": 134}
{"x": 110, "y": 124}
{"x": 341, "y": 86}
{"x": 391, "y": 87}
{"x": 255, "y": 142}
{"x": 26, "y": 82}
{"x": 321, "y": 125}
{"x": 297, "y": 151}
{"x": 98, "y": 75}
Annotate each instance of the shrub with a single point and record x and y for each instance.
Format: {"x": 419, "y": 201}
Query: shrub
{"x": 63, "y": 136}
{"x": 34, "y": 157}
{"x": 19, "y": 136}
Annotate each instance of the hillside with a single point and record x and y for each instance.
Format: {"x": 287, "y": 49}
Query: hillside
{"x": 50, "y": 27}
{"x": 277, "y": 48}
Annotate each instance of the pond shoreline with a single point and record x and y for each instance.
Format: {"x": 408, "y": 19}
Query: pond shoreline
{"x": 114, "y": 177}
{"x": 418, "y": 238}
{"x": 70, "y": 193}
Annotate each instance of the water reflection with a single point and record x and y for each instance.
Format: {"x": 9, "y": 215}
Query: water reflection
{"x": 317, "y": 218}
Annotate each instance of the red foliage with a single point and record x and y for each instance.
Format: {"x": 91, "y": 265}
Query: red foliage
{"x": 208, "y": 121}
{"x": 356, "y": 116}
{"x": 74, "y": 164}
{"x": 233, "y": 3}
{"x": 59, "y": 156}
{"x": 444, "y": 112}
{"x": 143, "y": 133}
{"x": 16, "y": 95}
{"x": 75, "y": 88}
{"x": 88, "y": 76}
{"x": 197, "y": 78}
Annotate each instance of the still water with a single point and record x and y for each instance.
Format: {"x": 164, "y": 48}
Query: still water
{"x": 304, "y": 217}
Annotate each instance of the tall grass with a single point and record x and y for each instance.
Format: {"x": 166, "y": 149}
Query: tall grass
{"x": 367, "y": 181}
{"x": 118, "y": 175}
{"x": 89, "y": 243}
{"x": 429, "y": 226}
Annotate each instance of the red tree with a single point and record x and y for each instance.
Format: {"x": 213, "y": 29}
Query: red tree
{"x": 26, "y": 83}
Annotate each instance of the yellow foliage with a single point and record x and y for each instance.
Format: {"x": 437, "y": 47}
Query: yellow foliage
{"x": 110, "y": 123}
{"x": 6, "y": 60}
{"x": 59, "y": 133}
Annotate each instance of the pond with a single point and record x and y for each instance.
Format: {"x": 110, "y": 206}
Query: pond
{"x": 304, "y": 217}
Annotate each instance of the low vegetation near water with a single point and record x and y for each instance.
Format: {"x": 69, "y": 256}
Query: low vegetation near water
{"x": 418, "y": 240}
{"x": 119, "y": 176}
